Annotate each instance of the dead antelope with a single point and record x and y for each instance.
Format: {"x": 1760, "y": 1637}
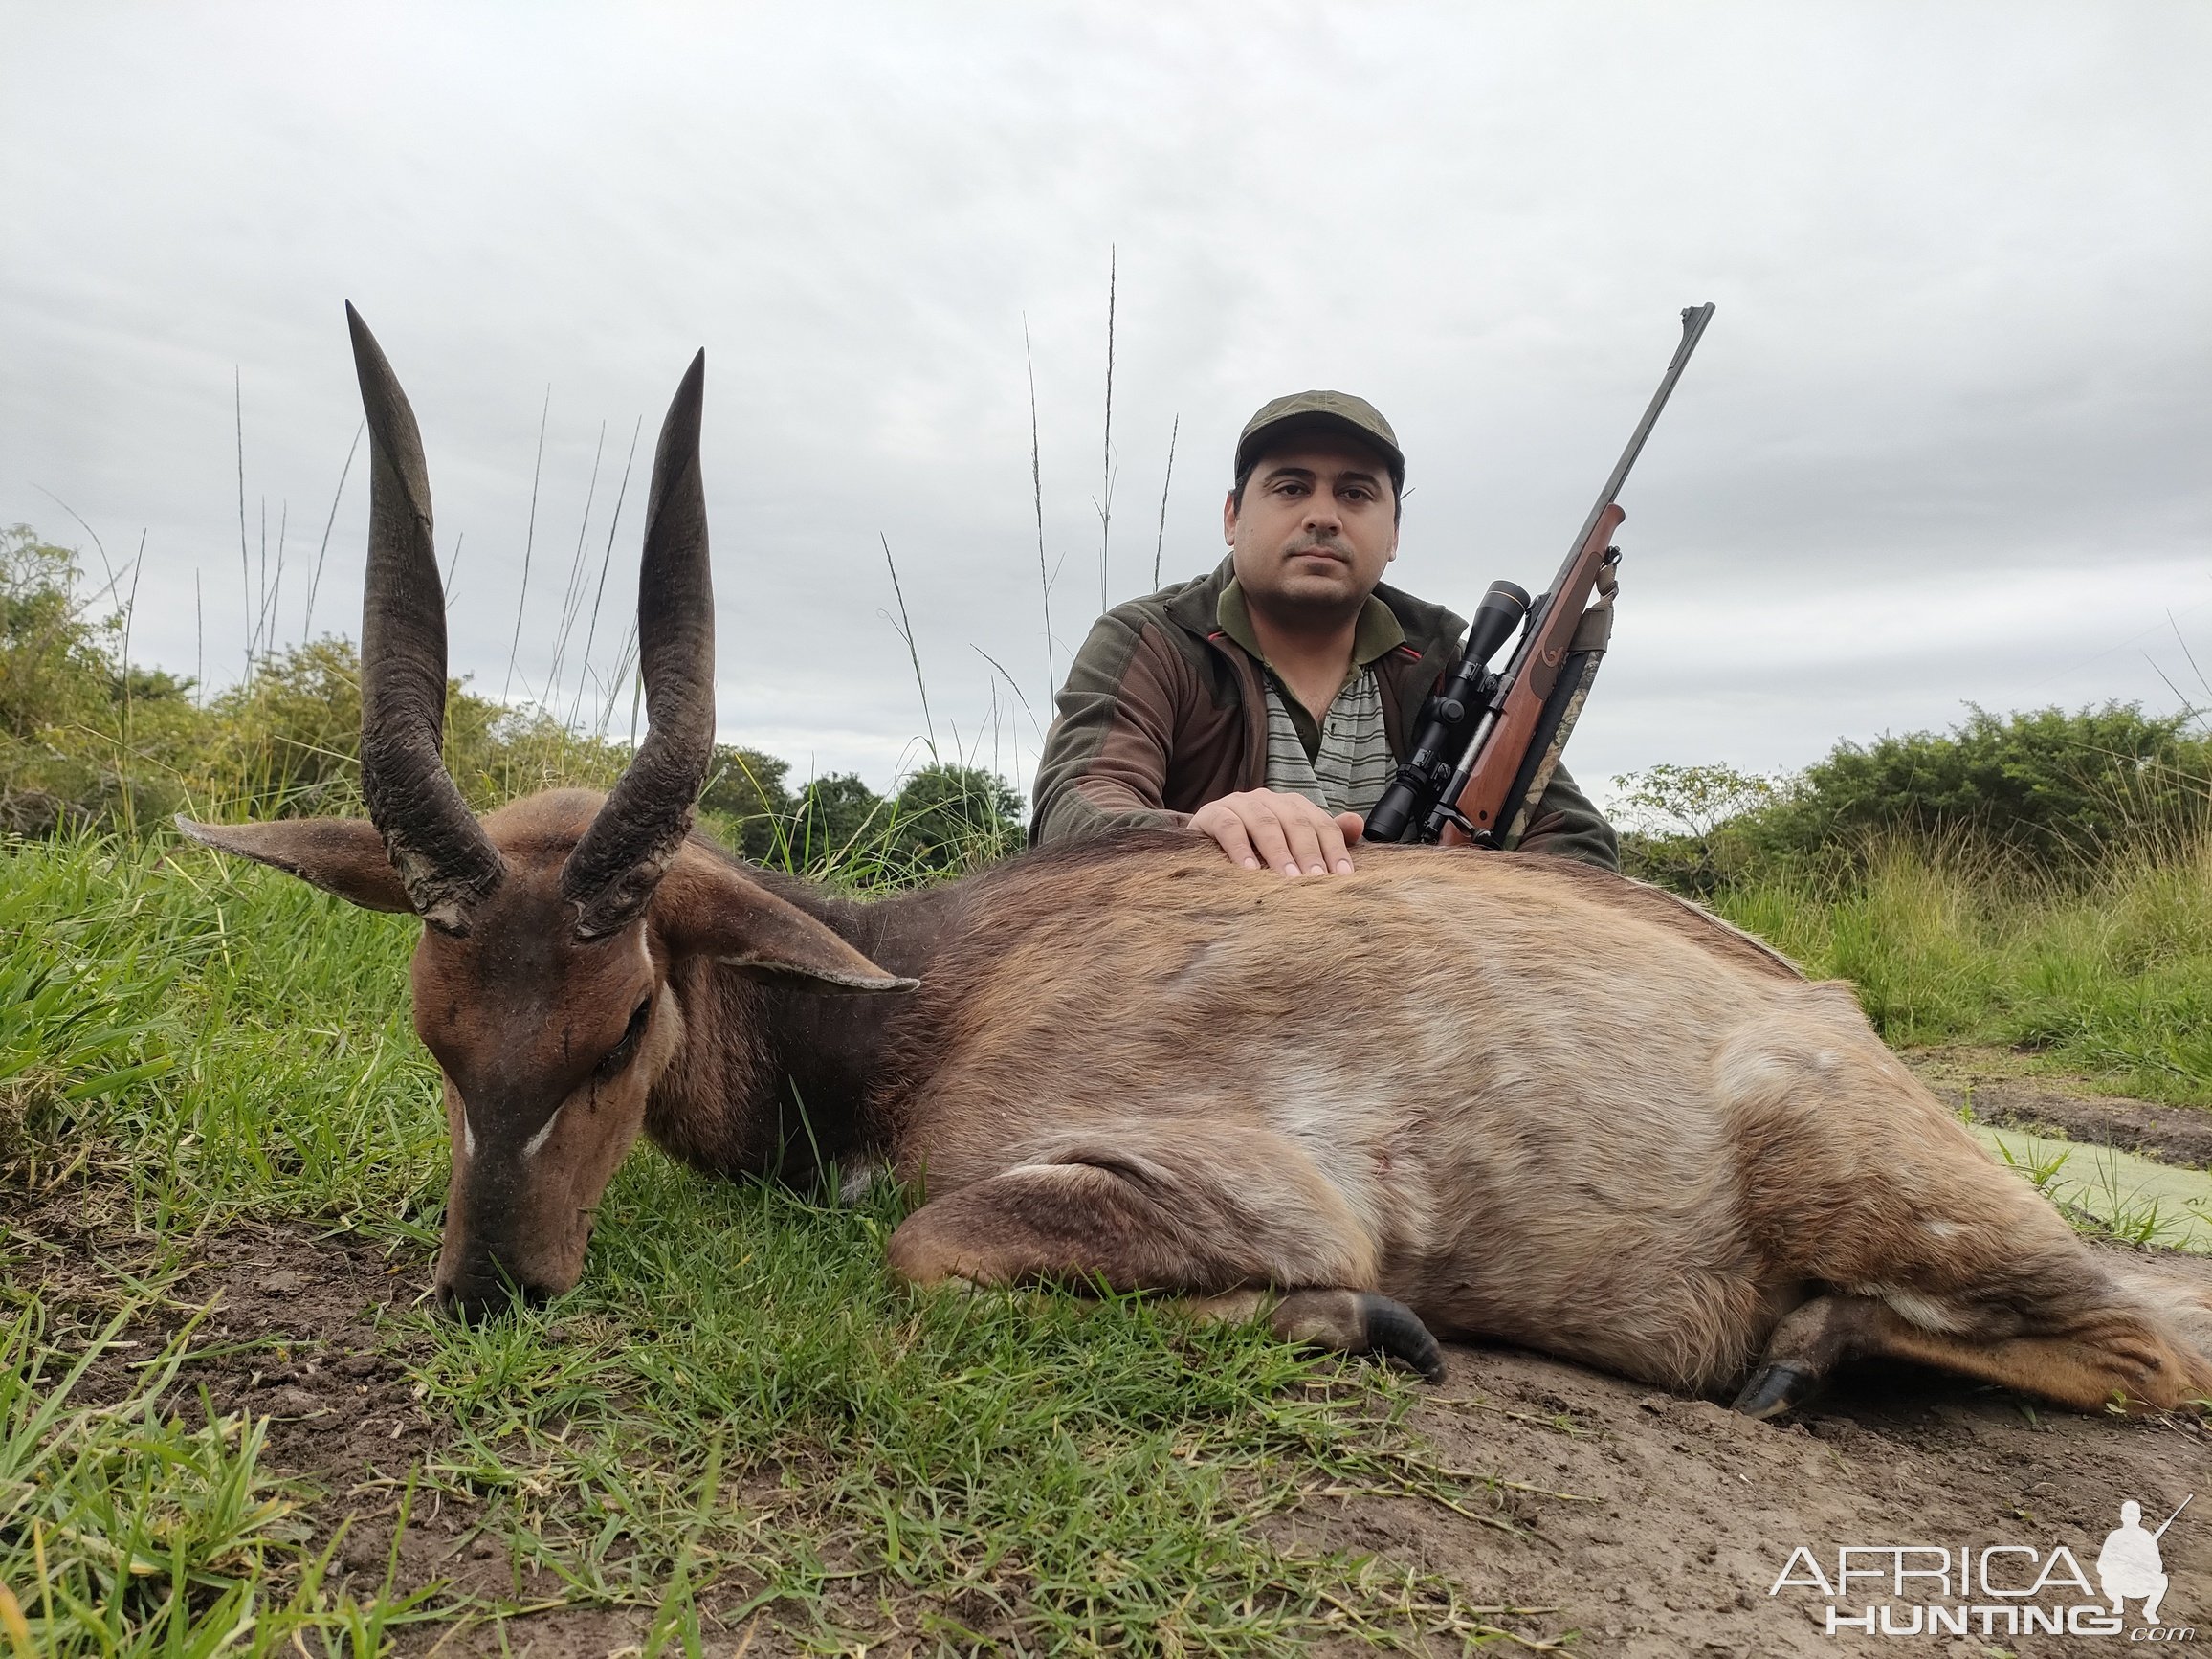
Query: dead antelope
{"x": 1648, "y": 1144}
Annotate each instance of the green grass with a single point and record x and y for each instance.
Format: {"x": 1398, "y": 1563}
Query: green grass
{"x": 738, "y": 1412}
{"x": 2106, "y": 979}
{"x": 135, "y": 1528}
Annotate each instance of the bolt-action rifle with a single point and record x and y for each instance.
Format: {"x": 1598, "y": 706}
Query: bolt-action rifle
{"x": 1487, "y": 742}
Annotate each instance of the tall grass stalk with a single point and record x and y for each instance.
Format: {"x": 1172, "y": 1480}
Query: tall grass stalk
{"x": 606, "y": 562}
{"x": 271, "y": 589}
{"x": 1160, "y": 543}
{"x": 1106, "y": 442}
{"x": 130, "y": 613}
{"x": 452, "y": 569}
{"x": 905, "y": 627}
{"x": 1013, "y": 685}
{"x": 1038, "y": 499}
{"x": 323, "y": 551}
{"x": 107, "y": 589}
{"x": 245, "y": 566}
{"x": 573, "y": 590}
{"x": 2202, "y": 714}
{"x": 529, "y": 541}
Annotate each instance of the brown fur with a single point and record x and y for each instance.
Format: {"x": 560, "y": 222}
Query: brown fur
{"x": 1527, "y": 1100}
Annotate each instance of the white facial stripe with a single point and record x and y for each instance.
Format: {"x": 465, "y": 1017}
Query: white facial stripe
{"x": 531, "y": 1147}
{"x": 537, "y": 1143}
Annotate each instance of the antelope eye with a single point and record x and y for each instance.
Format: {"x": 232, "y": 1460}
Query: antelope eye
{"x": 620, "y": 1055}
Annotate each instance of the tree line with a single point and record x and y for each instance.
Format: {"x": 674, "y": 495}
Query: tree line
{"x": 91, "y": 739}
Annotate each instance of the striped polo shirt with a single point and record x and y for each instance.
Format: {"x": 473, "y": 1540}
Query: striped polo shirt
{"x": 1341, "y": 762}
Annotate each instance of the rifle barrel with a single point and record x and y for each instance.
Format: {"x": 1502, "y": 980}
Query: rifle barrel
{"x": 2171, "y": 1519}
{"x": 1695, "y": 318}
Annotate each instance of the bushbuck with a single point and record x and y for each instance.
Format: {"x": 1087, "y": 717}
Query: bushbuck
{"x": 1611, "y": 1127}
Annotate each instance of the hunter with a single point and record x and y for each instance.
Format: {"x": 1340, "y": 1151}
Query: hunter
{"x": 1268, "y": 704}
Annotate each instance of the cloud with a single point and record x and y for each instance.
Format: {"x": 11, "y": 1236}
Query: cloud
{"x": 1948, "y": 426}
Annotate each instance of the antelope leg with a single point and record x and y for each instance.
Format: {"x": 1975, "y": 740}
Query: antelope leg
{"x": 2112, "y": 1354}
{"x": 1335, "y": 1320}
{"x": 1233, "y": 1220}
{"x": 2120, "y": 1360}
{"x": 1810, "y": 1340}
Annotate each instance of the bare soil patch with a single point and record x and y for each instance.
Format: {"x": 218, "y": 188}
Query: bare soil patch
{"x": 1692, "y": 1511}
{"x": 2176, "y": 1135}
{"x": 300, "y": 1334}
{"x": 1641, "y": 1523}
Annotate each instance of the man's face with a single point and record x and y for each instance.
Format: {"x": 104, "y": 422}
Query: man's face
{"x": 1317, "y": 526}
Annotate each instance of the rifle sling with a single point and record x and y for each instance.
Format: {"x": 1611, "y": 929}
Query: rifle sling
{"x": 1563, "y": 708}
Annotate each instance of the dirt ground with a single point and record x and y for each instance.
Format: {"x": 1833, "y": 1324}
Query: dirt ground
{"x": 1633, "y": 1523}
{"x": 1691, "y": 1512}
{"x": 2178, "y": 1134}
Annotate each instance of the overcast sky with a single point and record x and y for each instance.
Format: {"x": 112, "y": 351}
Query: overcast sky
{"x": 1949, "y": 438}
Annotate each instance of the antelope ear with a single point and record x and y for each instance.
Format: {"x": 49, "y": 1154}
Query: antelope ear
{"x": 340, "y": 855}
{"x": 703, "y": 907}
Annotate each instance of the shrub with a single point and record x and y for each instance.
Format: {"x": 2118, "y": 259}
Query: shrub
{"x": 1673, "y": 823}
{"x": 86, "y": 740}
{"x": 949, "y": 818}
{"x": 287, "y": 742}
{"x": 2059, "y": 791}
{"x": 85, "y": 736}
{"x": 54, "y": 659}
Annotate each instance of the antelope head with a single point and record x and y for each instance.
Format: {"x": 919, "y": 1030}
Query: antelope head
{"x": 542, "y": 980}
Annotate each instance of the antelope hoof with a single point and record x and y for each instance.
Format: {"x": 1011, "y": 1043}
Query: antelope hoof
{"x": 1776, "y": 1389}
{"x": 1395, "y": 1332}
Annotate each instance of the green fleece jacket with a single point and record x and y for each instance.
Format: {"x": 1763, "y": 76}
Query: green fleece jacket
{"x": 1163, "y": 710}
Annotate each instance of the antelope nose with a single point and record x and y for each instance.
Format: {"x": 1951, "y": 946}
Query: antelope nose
{"x": 478, "y": 1295}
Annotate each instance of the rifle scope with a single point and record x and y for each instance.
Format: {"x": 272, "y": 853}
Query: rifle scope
{"x": 1464, "y": 696}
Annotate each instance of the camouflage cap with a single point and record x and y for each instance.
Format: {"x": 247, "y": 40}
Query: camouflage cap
{"x": 1354, "y": 416}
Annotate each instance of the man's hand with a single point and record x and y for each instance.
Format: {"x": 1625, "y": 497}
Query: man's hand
{"x": 1281, "y": 831}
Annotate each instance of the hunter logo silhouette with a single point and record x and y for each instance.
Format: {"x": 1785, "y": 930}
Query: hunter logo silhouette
{"x": 2129, "y": 1566}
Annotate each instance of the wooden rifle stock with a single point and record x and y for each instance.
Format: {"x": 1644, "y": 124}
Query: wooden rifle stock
{"x": 1490, "y": 802}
